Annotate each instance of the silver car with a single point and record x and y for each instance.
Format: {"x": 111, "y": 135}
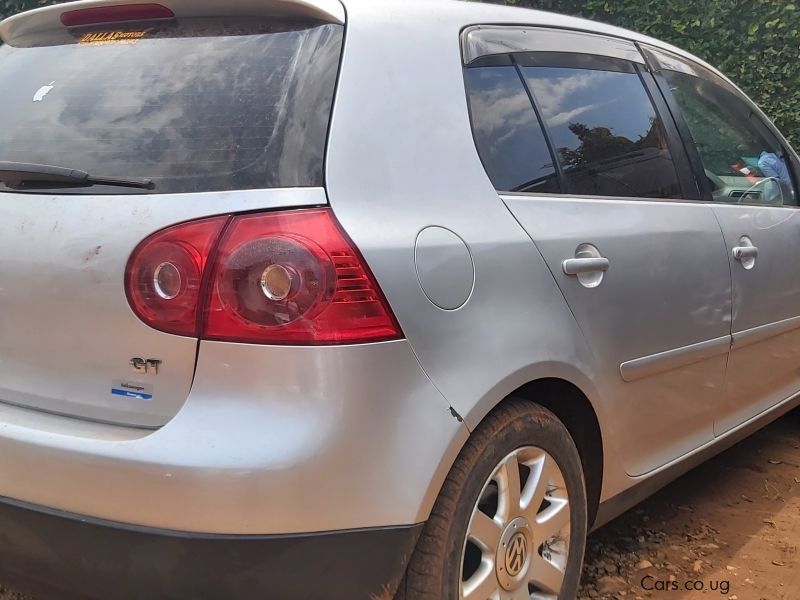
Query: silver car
{"x": 302, "y": 299}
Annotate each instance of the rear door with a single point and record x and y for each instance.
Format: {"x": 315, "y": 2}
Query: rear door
{"x": 750, "y": 180}
{"x": 569, "y": 130}
{"x": 222, "y": 115}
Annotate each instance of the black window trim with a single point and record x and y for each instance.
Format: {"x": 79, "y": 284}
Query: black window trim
{"x": 682, "y": 127}
{"x": 677, "y": 148}
{"x": 563, "y": 183}
{"x": 574, "y": 60}
{"x": 687, "y": 140}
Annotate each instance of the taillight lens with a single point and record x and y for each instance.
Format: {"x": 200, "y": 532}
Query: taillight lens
{"x": 164, "y": 277}
{"x": 289, "y": 277}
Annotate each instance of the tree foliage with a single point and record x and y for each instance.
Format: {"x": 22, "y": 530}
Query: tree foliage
{"x": 12, "y": 7}
{"x": 755, "y": 42}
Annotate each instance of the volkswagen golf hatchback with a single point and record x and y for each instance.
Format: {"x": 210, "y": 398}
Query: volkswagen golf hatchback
{"x": 302, "y": 299}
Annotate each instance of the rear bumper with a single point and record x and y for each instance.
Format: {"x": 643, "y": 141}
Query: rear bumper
{"x": 271, "y": 441}
{"x": 57, "y": 555}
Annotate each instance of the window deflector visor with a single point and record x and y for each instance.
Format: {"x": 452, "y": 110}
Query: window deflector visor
{"x": 483, "y": 41}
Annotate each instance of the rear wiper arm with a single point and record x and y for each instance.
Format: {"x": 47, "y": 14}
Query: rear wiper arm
{"x": 24, "y": 175}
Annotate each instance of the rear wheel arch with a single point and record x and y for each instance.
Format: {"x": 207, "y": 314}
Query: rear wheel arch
{"x": 567, "y": 401}
{"x": 574, "y": 409}
{"x": 514, "y": 425}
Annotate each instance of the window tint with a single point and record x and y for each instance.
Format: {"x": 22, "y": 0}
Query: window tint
{"x": 606, "y": 132}
{"x": 743, "y": 159}
{"x": 196, "y": 105}
{"x": 507, "y": 133}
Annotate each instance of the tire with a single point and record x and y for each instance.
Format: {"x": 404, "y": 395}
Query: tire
{"x": 447, "y": 566}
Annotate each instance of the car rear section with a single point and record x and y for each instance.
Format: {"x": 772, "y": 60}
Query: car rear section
{"x": 217, "y": 106}
{"x": 203, "y": 390}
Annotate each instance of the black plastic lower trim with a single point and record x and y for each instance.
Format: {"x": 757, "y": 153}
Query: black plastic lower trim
{"x": 61, "y": 556}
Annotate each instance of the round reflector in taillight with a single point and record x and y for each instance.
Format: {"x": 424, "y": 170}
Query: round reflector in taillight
{"x": 168, "y": 281}
{"x": 275, "y": 280}
{"x": 279, "y": 282}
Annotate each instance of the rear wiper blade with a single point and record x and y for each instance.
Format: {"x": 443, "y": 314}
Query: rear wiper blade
{"x": 25, "y": 175}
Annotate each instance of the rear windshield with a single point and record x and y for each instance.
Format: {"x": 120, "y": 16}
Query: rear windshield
{"x": 194, "y": 105}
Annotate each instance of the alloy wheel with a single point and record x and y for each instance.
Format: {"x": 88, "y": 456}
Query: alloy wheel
{"x": 517, "y": 541}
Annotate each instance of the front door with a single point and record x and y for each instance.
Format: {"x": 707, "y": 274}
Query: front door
{"x": 750, "y": 180}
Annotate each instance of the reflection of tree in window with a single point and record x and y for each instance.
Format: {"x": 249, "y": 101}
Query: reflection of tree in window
{"x": 196, "y": 106}
{"x": 606, "y": 131}
{"x": 600, "y": 143}
{"x": 608, "y": 164}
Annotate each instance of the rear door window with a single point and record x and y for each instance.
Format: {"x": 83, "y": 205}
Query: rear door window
{"x": 607, "y": 135}
{"x": 195, "y": 105}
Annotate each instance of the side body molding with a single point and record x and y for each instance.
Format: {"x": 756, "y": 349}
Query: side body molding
{"x": 653, "y": 364}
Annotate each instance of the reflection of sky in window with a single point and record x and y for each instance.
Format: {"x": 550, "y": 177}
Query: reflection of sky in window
{"x": 506, "y": 129}
{"x": 201, "y": 111}
{"x": 614, "y": 100}
{"x": 133, "y": 90}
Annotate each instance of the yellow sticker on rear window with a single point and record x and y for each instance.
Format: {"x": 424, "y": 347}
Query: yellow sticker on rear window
{"x": 113, "y": 37}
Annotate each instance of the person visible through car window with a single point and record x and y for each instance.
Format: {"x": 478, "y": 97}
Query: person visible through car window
{"x": 772, "y": 165}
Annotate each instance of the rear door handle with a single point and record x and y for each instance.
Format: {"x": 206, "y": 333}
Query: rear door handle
{"x": 744, "y": 252}
{"x": 579, "y": 266}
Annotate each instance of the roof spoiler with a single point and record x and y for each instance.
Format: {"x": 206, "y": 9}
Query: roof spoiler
{"x": 49, "y": 18}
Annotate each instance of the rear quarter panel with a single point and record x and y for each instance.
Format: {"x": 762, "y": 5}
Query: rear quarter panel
{"x": 401, "y": 158}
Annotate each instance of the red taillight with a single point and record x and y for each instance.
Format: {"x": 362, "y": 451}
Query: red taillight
{"x": 164, "y": 276}
{"x": 115, "y": 14}
{"x": 290, "y": 277}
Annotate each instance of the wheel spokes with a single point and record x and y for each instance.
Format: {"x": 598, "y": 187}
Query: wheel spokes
{"x": 508, "y": 483}
{"x": 485, "y": 532}
{"x": 545, "y": 575}
{"x": 482, "y": 585}
{"x": 537, "y": 485}
{"x": 552, "y": 520}
{"x": 520, "y": 594}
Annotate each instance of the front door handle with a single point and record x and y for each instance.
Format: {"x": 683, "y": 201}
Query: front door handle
{"x": 579, "y": 266}
{"x": 742, "y": 253}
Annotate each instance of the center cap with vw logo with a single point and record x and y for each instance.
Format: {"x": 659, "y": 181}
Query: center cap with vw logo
{"x": 514, "y": 554}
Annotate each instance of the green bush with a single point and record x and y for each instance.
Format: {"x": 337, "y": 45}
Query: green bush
{"x": 12, "y": 7}
{"x": 755, "y": 42}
